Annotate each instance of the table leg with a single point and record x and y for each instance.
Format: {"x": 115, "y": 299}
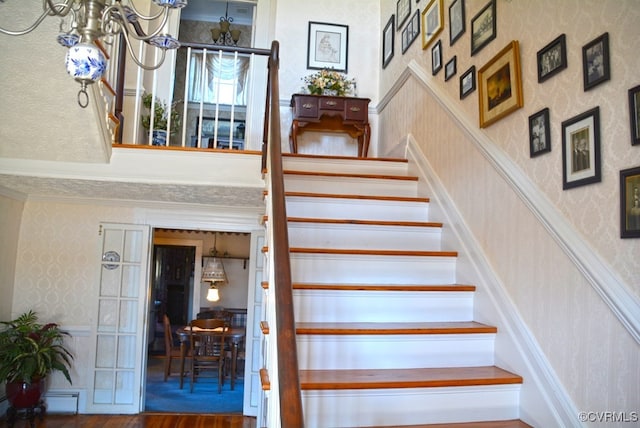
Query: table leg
{"x": 234, "y": 361}
{"x": 183, "y": 353}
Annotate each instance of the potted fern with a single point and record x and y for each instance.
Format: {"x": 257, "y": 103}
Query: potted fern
{"x": 161, "y": 115}
{"x": 29, "y": 352}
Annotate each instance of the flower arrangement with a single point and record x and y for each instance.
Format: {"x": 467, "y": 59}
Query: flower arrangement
{"x": 161, "y": 114}
{"x": 328, "y": 82}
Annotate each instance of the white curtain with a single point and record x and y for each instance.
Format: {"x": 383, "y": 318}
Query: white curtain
{"x": 218, "y": 78}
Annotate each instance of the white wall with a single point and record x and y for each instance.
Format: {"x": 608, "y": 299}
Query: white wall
{"x": 593, "y": 355}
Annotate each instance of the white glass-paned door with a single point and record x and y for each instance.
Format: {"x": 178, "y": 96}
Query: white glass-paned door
{"x": 116, "y": 379}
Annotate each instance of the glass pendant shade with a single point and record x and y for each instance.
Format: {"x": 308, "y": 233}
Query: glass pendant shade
{"x": 213, "y": 295}
{"x": 214, "y": 270}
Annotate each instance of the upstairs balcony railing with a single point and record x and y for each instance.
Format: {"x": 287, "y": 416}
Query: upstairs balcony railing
{"x": 205, "y": 96}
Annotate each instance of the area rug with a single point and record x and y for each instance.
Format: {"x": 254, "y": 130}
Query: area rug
{"x": 168, "y": 397}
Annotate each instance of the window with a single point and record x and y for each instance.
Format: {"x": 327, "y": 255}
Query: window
{"x": 218, "y": 78}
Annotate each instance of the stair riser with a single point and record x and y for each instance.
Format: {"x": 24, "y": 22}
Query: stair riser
{"x": 318, "y": 235}
{"x": 329, "y": 352}
{"x": 367, "y": 306}
{"x": 333, "y": 208}
{"x": 359, "y": 269}
{"x": 350, "y": 186}
{"x": 412, "y": 406}
{"x": 345, "y": 166}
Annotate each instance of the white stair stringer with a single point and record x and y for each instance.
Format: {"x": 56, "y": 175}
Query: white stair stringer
{"x": 409, "y": 406}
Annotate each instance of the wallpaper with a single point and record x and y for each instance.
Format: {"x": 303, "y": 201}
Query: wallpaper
{"x": 594, "y": 357}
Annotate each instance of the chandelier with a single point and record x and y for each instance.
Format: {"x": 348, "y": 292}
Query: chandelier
{"x": 224, "y": 35}
{"x": 84, "y": 22}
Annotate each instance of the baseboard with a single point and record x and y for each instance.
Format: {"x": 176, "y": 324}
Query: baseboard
{"x": 62, "y": 402}
{"x": 554, "y": 406}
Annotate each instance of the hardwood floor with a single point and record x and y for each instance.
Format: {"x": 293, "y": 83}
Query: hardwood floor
{"x": 155, "y": 420}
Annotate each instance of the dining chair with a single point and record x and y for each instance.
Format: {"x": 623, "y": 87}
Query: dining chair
{"x": 171, "y": 350}
{"x": 207, "y": 345}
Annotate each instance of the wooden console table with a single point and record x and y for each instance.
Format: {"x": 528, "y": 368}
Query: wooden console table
{"x": 331, "y": 113}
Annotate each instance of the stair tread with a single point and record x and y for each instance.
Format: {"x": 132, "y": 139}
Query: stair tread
{"x": 406, "y": 378}
{"x": 358, "y": 197}
{"x": 385, "y": 287}
{"x": 358, "y": 251}
{"x": 511, "y": 423}
{"x": 364, "y": 222}
{"x": 351, "y": 175}
{"x": 349, "y": 158}
{"x": 375, "y": 328}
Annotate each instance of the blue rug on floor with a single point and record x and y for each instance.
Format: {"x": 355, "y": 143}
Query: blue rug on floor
{"x": 168, "y": 397}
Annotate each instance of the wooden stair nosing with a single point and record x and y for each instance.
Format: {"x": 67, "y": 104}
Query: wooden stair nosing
{"x": 364, "y": 222}
{"x": 412, "y": 178}
{"x": 406, "y": 378}
{"x": 358, "y": 197}
{"x": 349, "y": 158}
{"x": 354, "y": 251}
{"x": 393, "y": 328}
{"x": 383, "y": 287}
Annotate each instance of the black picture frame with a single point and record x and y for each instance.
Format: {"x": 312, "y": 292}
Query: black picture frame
{"x": 457, "y": 25}
{"x": 630, "y": 203}
{"x": 595, "y": 62}
{"x": 468, "y": 82}
{"x": 450, "y": 68}
{"x": 411, "y": 31}
{"x": 436, "y": 58}
{"x": 539, "y": 133}
{"x": 552, "y": 58}
{"x": 634, "y": 115}
{"x": 403, "y": 11}
{"x": 327, "y": 46}
{"x": 388, "y": 42}
{"x": 581, "y": 149}
{"x": 483, "y": 27}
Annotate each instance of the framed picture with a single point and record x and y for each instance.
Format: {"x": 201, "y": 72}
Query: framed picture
{"x": 630, "y": 203}
{"x": 500, "y": 85}
{"x": 456, "y": 21}
{"x": 483, "y": 27}
{"x": 432, "y": 22}
{"x": 327, "y": 46}
{"x": 539, "y": 133}
{"x": 581, "y": 149}
{"x": 634, "y": 114}
{"x": 387, "y": 42}
{"x": 411, "y": 31}
{"x": 468, "y": 82}
{"x": 552, "y": 58}
{"x": 403, "y": 10}
{"x": 450, "y": 69}
{"x": 436, "y": 58}
{"x": 595, "y": 62}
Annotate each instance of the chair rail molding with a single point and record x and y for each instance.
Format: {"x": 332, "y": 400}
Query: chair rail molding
{"x": 609, "y": 286}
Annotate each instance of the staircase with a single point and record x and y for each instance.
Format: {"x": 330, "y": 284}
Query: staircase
{"x": 385, "y": 335}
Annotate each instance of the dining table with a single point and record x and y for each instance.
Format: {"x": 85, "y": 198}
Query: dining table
{"x": 234, "y": 336}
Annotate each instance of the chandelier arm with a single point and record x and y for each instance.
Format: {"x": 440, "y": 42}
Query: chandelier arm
{"x": 26, "y": 30}
{"x": 135, "y": 59}
{"x": 57, "y": 9}
{"x": 122, "y": 22}
{"x": 145, "y": 17}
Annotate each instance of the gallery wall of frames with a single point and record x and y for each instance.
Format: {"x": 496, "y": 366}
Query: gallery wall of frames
{"x": 499, "y": 88}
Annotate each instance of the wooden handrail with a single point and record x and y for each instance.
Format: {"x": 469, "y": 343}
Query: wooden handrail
{"x": 288, "y": 377}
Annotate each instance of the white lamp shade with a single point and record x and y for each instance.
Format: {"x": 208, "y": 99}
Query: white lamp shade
{"x": 213, "y": 295}
{"x": 85, "y": 61}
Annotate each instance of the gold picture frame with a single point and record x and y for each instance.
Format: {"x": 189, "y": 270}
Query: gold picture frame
{"x": 432, "y": 21}
{"x": 500, "y": 85}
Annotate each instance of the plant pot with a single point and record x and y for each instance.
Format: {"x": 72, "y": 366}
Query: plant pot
{"x": 159, "y": 137}
{"x": 22, "y": 395}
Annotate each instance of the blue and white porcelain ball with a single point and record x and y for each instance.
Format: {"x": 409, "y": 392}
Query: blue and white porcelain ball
{"x": 85, "y": 61}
